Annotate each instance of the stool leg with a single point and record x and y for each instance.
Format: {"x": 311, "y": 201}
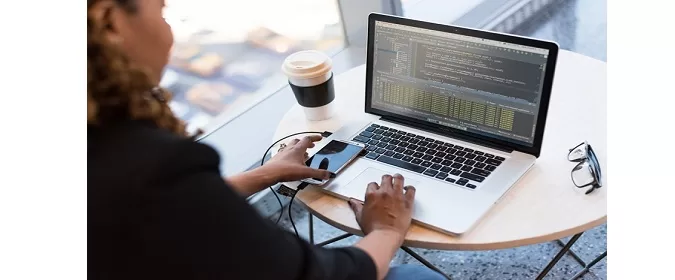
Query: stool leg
{"x": 558, "y": 256}
{"x": 588, "y": 267}
{"x": 423, "y": 261}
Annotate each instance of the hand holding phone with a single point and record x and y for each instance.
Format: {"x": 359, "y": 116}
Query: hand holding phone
{"x": 333, "y": 157}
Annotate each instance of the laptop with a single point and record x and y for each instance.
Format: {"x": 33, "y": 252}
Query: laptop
{"x": 459, "y": 112}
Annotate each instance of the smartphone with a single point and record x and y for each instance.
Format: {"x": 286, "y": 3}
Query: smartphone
{"x": 339, "y": 153}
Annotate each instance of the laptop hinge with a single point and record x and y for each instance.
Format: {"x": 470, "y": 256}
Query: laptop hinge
{"x": 458, "y": 136}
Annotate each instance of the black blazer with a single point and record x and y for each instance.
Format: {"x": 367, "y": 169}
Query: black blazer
{"x": 159, "y": 209}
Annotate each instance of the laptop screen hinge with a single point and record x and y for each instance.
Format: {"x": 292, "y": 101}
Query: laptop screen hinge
{"x": 450, "y": 134}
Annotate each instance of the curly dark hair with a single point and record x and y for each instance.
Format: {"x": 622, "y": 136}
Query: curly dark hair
{"x": 117, "y": 88}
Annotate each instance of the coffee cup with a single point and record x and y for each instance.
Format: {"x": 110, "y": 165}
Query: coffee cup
{"x": 310, "y": 76}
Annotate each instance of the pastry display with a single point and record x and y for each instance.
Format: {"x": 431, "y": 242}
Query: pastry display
{"x": 206, "y": 65}
{"x": 211, "y": 97}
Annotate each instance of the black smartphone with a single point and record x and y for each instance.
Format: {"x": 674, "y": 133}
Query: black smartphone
{"x": 339, "y": 153}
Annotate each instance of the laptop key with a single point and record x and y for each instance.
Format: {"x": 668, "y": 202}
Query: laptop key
{"x": 401, "y": 164}
{"x": 470, "y": 156}
{"x": 436, "y": 166}
{"x": 462, "y": 182}
{"x": 471, "y": 186}
{"x": 464, "y": 168}
{"x": 403, "y": 144}
{"x": 450, "y": 157}
{"x": 366, "y": 134}
{"x": 440, "y": 154}
{"x": 399, "y": 149}
{"x": 374, "y": 125}
{"x": 396, "y": 136}
{"x": 419, "y": 137}
{"x": 394, "y": 141}
{"x": 384, "y": 128}
{"x": 459, "y": 148}
{"x": 472, "y": 177}
{"x": 446, "y": 169}
{"x": 418, "y": 155}
{"x": 489, "y": 155}
{"x": 452, "y": 151}
{"x": 421, "y": 149}
{"x": 447, "y": 162}
{"x": 432, "y": 146}
{"x": 429, "y": 139}
{"x": 414, "y": 141}
{"x": 388, "y": 133}
{"x": 460, "y": 160}
{"x": 430, "y": 172}
{"x": 442, "y": 148}
{"x": 407, "y": 158}
{"x": 437, "y": 160}
{"x": 382, "y": 144}
{"x": 442, "y": 175}
{"x": 389, "y": 153}
{"x": 411, "y": 134}
{"x": 378, "y": 131}
{"x": 448, "y": 145}
{"x": 479, "y": 164}
{"x": 490, "y": 168}
{"x": 372, "y": 155}
{"x": 386, "y": 139}
{"x": 456, "y": 172}
{"x": 456, "y": 165}
{"x": 426, "y": 163}
{"x": 500, "y": 158}
{"x": 373, "y": 142}
{"x": 423, "y": 143}
{"x": 391, "y": 147}
{"x": 439, "y": 142}
{"x": 405, "y": 138}
{"x": 480, "y": 172}
{"x": 361, "y": 139}
{"x": 370, "y": 129}
{"x": 470, "y": 162}
{"x": 460, "y": 153}
{"x": 480, "y": 158}
{"x": 493, "y": 162}
{"x": 427, "y": 157}
{"x": 478, "y": 153}
{"x": 393, "y": 130}
{"x": 451, "y": 180}
{"x": 371, "y": 148}
{"x": 409, "y": 152}
{"x": 377, "y": 137}
{"x": 416, "y": 161}
{"x": 468, "y": 150}
{"x": 380, "y": 150}
{"x": 398, "y": 156}
{"x": 413, "y": 147}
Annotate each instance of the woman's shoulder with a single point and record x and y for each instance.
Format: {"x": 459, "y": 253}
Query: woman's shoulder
{"x": 138, "y": 150}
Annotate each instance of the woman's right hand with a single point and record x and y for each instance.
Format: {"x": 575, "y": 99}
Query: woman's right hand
{"x": 387, "y": 206}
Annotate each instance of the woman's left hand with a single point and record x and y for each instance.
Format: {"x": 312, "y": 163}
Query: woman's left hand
{"x": 288, "y": 164}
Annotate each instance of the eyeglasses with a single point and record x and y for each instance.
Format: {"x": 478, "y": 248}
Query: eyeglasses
{"x": 587, "y": 172}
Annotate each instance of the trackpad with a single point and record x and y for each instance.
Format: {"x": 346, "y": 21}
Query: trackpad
{"x": 357, "y": 186}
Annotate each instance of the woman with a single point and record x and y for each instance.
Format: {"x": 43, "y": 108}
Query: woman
{"x": 158, "y": 208}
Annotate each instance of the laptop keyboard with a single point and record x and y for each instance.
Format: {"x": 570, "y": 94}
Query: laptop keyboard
{"x": 433, "y": 158}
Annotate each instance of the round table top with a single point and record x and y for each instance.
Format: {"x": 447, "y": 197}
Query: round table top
{"x": 543, "y": 206}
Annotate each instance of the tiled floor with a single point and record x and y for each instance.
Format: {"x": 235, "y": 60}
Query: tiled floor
{"x": 579, "y": 26}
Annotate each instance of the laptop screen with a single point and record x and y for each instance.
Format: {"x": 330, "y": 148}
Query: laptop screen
{"x": 473, "y": 84}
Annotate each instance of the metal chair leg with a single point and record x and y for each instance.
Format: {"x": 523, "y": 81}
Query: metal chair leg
{"x": 423, "y": 261}
{"x": 588, "y": 267}
{"x": 311, "y": 229}
{"x": 558, "y": 256}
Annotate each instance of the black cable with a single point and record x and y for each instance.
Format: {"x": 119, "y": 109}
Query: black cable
{"x": 302, "y": 186}
{"x": 290, "y": 217}
{"x": 262, "y": 161}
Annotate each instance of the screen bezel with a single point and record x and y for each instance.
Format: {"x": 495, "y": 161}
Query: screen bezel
{"x": 552, "y": 47}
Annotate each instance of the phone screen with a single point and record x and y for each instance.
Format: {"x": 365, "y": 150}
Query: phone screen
{"x": 338, "y": 153}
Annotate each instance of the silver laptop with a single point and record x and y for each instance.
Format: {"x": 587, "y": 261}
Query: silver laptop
{"x": 460, "y": 113}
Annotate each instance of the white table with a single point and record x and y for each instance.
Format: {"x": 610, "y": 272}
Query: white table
{"x": 543, "y": 206}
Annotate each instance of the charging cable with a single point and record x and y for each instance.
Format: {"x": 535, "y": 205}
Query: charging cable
{"x": 262, "y": 161}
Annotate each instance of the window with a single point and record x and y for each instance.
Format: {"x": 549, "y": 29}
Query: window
{"x": 227, "y": 54}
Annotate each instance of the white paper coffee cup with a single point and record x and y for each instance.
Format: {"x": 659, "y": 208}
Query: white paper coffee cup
{"x": 310, "y": 76}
